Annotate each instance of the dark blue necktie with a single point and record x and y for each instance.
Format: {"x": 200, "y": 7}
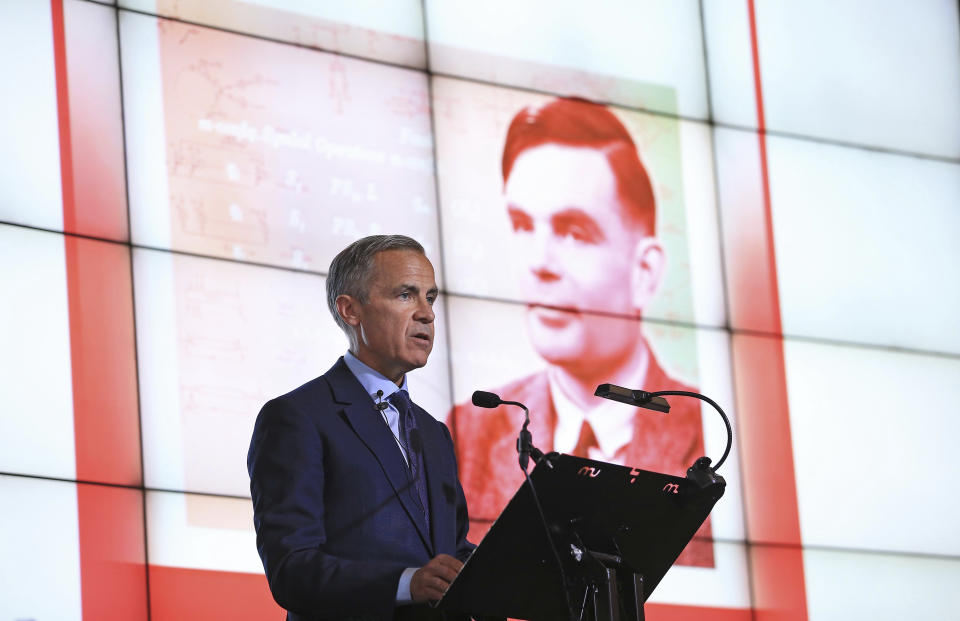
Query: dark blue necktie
{"x": 410, "y": 437}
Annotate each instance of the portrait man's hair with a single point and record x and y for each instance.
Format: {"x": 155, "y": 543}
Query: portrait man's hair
{"x": 576, "y": 122}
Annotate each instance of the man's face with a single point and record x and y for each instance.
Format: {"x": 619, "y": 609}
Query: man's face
{"x": 576, "y": 253}
{"x": 395, "y": 325}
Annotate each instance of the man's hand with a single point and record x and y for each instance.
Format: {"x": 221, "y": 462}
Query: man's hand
{"x": 430, "y": 582}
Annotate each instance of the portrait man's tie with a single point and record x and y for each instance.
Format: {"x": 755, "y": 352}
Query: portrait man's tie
{"x": 586, "y": 441}
{"x": 409, "y": 431}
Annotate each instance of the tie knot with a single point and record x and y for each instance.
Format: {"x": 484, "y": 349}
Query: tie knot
{"x": 400, "y": 400}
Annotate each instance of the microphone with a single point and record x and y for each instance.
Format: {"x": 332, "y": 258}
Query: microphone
{"x": 483, "y": 399}
{"x": 525, "y": 447}
{"x": 380, "y": 405}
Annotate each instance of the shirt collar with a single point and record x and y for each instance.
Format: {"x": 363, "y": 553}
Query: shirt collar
{"x": 371, "y": 380}
{"x": 612, "y": 422}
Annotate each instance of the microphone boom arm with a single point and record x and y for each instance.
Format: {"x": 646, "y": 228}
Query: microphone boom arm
{"x": 656, "y": 401}
{"x": 525, "y": 447}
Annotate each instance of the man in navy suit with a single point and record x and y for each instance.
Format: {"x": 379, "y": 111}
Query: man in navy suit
{"x": 357, "y": 505}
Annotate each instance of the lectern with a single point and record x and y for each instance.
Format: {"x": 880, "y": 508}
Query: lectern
{"x": 605, "y": 538}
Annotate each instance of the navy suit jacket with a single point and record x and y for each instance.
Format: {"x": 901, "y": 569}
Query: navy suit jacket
{"x": 333, "y": 505}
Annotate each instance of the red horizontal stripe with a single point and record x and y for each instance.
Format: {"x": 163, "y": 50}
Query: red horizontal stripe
{"x": 178, "y": 594}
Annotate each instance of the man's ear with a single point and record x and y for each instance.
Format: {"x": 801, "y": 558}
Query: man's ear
{"x": 647, "y": 271}
{"x": 349, "y": 309}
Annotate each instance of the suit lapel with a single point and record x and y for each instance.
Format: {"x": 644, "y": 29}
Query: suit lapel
{"x": 435, "y": 469}
{"x": 363, "y": 417}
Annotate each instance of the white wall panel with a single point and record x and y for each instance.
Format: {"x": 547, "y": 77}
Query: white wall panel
{"x": 36, "y": 389}
{"x": 726, "y": 27}
{"x": 201, "y": 532}
{"x": 844, "y": 585}
{"x": 884, "y": 74}
{"x": 646, "y": 55}
{"x": 40, "y": 565}
{"x": 866, "y": 245}
{"x": 874, "y": 447}
{"x": 385, "y": 31}
{"x": 29, "y": 132}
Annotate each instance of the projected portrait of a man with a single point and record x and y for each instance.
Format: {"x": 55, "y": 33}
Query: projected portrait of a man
{"x": 584, "y": 220}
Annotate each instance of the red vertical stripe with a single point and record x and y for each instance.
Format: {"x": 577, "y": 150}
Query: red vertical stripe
{"x": 106, "y": 421}
{"x": 63, "y": 113}
{"x": 779, "y": 590}
{"x": 755, "y": 53}
{"x": 770, "y": 492}
{"x": 97, "y": 183}
{"x": 112, "y": 557}
{"x": 777, "y": 576}
{"x": 764, "y": 174}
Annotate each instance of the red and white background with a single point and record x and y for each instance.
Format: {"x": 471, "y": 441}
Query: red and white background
{"x": 175, "y": 176}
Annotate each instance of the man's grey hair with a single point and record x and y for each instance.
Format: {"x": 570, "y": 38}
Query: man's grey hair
{"x": 351, "y": 269}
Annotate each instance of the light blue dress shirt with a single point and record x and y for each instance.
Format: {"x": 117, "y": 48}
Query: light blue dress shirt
{"x": 372, "y": 381}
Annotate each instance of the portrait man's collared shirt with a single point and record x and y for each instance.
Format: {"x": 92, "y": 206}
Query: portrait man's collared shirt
{"x": 612, "y": 422}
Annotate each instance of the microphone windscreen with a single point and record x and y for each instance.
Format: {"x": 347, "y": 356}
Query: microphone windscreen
{"x": 483, "y": 399}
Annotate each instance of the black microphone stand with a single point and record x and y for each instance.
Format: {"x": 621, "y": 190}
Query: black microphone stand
{"x": 526, "y": 450}
{"x": 525, "y": 446}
